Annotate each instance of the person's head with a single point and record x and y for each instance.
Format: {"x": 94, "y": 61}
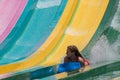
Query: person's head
{"x": 72, "y": 49}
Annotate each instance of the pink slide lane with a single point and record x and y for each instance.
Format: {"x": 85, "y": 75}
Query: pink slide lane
{"x": 10, "y": 11}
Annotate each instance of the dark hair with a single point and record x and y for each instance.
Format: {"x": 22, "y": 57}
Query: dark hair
{"x": 74, "y": 49}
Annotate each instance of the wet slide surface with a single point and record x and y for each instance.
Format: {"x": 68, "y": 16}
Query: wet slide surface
{"x": 35, "y": 59}
{"x": 86, "y": 24}
{"x": 38, "y": 27}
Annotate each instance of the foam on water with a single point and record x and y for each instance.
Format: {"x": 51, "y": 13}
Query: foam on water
{"x": 116, "y": 45}
{"x": 102, "y": 51}
{"x": 48, "y": 3}
{"x": 74, "y": 32}
{"x": 116, "y": 20}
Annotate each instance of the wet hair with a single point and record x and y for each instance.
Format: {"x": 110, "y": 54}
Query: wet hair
{"x": 74, "y": 49}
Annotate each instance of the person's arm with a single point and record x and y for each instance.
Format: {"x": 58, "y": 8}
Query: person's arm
{"x": 81, "y": 61}
{"x": 82, "y": 64}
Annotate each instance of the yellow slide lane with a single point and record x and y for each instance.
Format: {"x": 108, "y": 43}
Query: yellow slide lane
{"x": 50, "y": 43}
{"x": 79, "y": 32}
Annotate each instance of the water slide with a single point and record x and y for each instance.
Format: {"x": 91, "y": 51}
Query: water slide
{"x": 36, "y": 33}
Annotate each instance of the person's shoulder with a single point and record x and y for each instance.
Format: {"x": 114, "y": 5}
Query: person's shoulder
{"x": 80, "y": 58}
{"x": 65, "y": 57}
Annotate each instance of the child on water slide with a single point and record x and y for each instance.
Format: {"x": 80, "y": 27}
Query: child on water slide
{"x": 73, "y": 60}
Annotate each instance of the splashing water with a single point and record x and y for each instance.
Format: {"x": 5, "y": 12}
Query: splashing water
{"x": 48, "y": 3}
{"x": 102, "y": 51}
{"x": 116, "y": 20}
